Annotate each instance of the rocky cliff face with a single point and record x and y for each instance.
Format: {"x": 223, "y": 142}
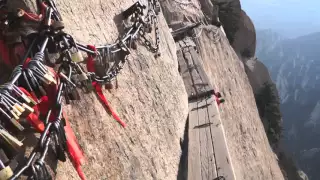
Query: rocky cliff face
{"x": 252, "y": 159}
{"x": 266, "y": 95}
{"x": 152, "y": 100}
{"x": 245, "y": 38}
{"x": 265, "y": 90}
{"x": 241, "y": 121}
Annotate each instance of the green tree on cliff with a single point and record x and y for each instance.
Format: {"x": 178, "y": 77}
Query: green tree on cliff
{"x": 269, "y": 110}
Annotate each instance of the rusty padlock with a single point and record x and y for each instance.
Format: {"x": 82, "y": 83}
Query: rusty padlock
{"x": 77, "y": 56}
{"x": 6, "y": 173}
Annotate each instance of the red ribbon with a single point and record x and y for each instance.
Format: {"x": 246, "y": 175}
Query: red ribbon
{"x": 106, "y": 103}
{"x": 33, "y": 118}
{"x": 98, "y": 88}
{"x": 46, "y": 102}
{"x": 74, "y": 150}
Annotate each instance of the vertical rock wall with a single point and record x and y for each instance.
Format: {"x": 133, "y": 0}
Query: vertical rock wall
{"x": 151, "y": 99}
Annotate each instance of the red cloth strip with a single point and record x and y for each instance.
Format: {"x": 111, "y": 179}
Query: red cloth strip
{"x": 74, "y": 150}
{"x": 106, "y": 103}
{"x": 4, "y": 53}
{"x": 97, "y": 86}
{"x": 33, "y": 118}
{"x": 32, "y": 17}
{"x": 46, "y": 102}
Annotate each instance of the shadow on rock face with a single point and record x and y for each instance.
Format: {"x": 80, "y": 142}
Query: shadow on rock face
{"x": 229, "y": 16}
{"x": 245, "y": 38}
{"x": 238, "y": 26}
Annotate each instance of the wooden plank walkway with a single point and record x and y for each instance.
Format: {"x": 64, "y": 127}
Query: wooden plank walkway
{"x": 208, "y": 155}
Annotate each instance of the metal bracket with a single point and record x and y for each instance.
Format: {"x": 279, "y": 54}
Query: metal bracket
{"x": 182, "y": 31}
{"x": 132, "y": 9}
{"x": 201, "y": 95}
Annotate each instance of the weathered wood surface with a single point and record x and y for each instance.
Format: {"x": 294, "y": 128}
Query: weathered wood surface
{"x": 194, "y": 161}
{"x": 208, "y": 156}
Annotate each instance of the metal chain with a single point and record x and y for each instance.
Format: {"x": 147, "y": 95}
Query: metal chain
{"x": 152, "y": 19}
{"x": 53, "y": 130}
{"x": 141, "y": 25}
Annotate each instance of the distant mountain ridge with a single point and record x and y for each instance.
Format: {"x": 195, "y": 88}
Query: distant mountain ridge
{"x": 266, "y": 40}
{"x": 294, "y": 65}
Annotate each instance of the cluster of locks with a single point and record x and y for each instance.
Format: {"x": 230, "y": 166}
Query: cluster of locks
{"x": 32, "y": 96}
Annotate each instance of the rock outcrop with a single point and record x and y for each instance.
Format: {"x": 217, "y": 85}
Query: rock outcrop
{"x": 266, "y": 94}
{"x": 229, "y": 16}
{"x": 150, "y": 98}
{"x": 257, "y": 72}
{"x": 245, "y": 38}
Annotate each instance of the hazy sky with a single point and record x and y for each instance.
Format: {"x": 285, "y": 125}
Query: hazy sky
{"x": 288, "y": 17}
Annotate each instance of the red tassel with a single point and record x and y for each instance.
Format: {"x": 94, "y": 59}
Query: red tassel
{"x": 26, "y": 62}
{"x": 74, "y": 149}
{"x": 33, "y": 118}
{"x": 91, "y": 68}
{"x": 90, "y": 62}
{"x": 106, "y": 103}
{"x": 36, "y": 122}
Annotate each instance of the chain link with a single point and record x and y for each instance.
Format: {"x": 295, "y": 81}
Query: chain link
{"x": 52, "y": 129}
{"x": 141, "y": 25}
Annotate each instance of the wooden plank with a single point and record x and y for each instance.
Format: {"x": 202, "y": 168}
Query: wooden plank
{"x": 200, "y": 85}
{"x": 184, "y": 71}
{"x": 208, "y": 156}
{"x": 196, "y": 61}
{"x": 194, "y": 74}
{"x": 208, "y": 167}
{"x": 194, "y": 163}
{"x": 222, "y": 156}
{"x": 189, "y": 42}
